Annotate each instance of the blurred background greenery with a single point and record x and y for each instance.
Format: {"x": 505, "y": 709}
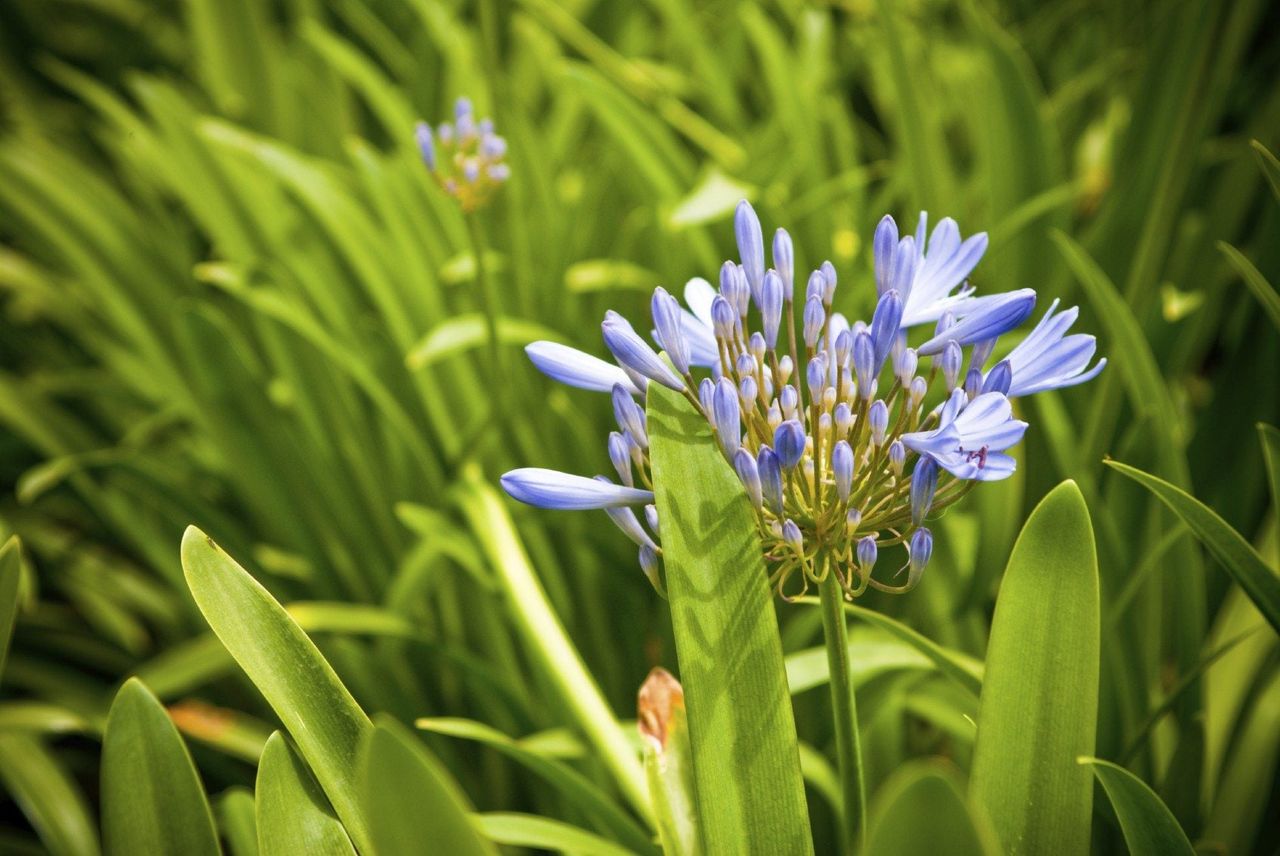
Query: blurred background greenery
{"x": 231, "y": 296}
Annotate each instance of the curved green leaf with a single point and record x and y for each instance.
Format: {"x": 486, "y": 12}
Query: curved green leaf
{"x": 1232, "y": 551}
{"x": 926, "y": 792}
{"x": 1040, "y": 694}
{"x": 152, "y": 798}
{"x": 870, "y": 655}
{"x": 1262, "y": 290}
{"x": 569, "y": 782}
{"x": 292, "y": 813}
{"x": 235, "y": 810}
{"x": 1150, "y": 829}
{"x": 287, "y": 668}
{"x": 468, "y": 330}
{"x": 47, "y": 795}
{"x": 745, "y": 758}
{"x": 527, "y": 830}
{"x": 10, "y": 577}
{"x": 411, "y": 799}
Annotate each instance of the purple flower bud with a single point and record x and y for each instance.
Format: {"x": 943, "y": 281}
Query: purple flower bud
{"x": 757, "y": 346}
{"x": 815, "y": 287}
{"x": 651, "y": 517}
{"x": 785, "y": 368}
{"x": 632, "y": 351}
{"x": 445, "y": 133}
{"x": 973, "y": 383}
{"x": 789, "y": 399}
{"x": 814, "y": 317}
{"x": 878, "y": 421}
{"x": 951, "y": 358}
{"x": 626, "y": 520}
{"x": 629, "y": 416}
{"x": 471, "y": 171}
{"x": 498, "y": 172}
{"x": 747, "y": 391}
{"x": 749, "y": 473}
{"x": 791, "y": 534}
{"x": 649, "y": 564}
{"x": 919, "y": 552}
{"x": 462, "y": 109}
{"x": 946, "y": 321}
{"x": 884, "y": 326}
{"x": 724, "y": 317}
{"x": 784, "y": 259}
{"x": 552, "y": 489}
{"x": 924, "y": 481}
{"x": 745, "y": 365}
{"x": 905, "y": 365}
{"x": 867, "y": 553}
{"x": 771, "y": 301}
{"x": 981, "y": 352}
{"x": 897, "y": 457}
{"x": 706, "y": 389}
{"x": 770, "y": 469}
{"x": 620, "y": 455}
{"x": 919, "y": 387}
{"x": 426, "y": 145}
{"x": 852, "y": 521}
{"x": 746, "y": 227}
{"x": 843, "y": 347}
{"x": 999, "y": 378}
{"x": 883, "y": 246}
{"x": 724, "y": 403}
{"x": 667, "y": 319}
{"x": 843, "y": 419}
{"x": 816, "y": 376}
{"x": 828, "y": 271}
{"x": 493, "y": 147}
{"x": 864, "y": 359}
{"x": 789, "y": 440}
{"x": 842, "y": 469}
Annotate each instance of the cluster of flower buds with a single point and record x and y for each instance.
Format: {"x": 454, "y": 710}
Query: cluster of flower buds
{"x": 839, "y": 432}
{"x": 466, "y": 157}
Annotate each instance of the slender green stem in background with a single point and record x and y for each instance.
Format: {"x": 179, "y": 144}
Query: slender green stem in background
{"x": 488, "y": 300}
{"x": 546, "y": 641}
{"x": 844, "y": 710}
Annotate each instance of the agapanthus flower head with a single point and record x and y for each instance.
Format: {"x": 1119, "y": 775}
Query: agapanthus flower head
{"x": 847, "y": 439}
{"x": 466, "y": 157}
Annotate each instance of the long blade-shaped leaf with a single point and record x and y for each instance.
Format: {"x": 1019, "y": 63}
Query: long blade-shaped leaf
{"x": 745, "y": 757}
{"x": 293, "y": 815}
{"x": 1040, "y": 691}
{"x": 411, "y": 800}
{"x": 1236, "y": 555}
{"x": 287, "y": 669}
{"x": 152, "y": 799}
{"x": 1149, "y": 827}
{"x": 527, "y": 830}
{"x": 36, "y": 780}
{"x": 922, "y": 809}
{"x": 10, "y": 577}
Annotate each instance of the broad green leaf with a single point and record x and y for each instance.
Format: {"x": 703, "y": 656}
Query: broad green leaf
{"x": 10, "y": 577}
{"x": 527, "y": 830}
{"x": 47, "y": 795}
{"x": 292, "y": 814}
{"x": 1039, "y": 705}
{"x": 410, "y": 798}
{"x": 1150, "y": 829}
{"x": 922, "y": 810}
{"x": 287, "y": 668}
{"x": 1235, "y": 554}
{"x": 464, "y": 332}
{"x": 1262, "y": 290}
{"x": 745, "y": 759}
{"x": 235, "y": 810}
{"x": 152, "y": 798}
{"x": 570, "y": 783}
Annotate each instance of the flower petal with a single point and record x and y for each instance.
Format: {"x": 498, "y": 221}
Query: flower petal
{"x": 577, "y": 368}
{"x": 554, "y": 489}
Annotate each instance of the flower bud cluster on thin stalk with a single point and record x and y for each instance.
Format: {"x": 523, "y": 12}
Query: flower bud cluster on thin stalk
{"x": 828, "y": 430}
{"x": 466, "y": 157}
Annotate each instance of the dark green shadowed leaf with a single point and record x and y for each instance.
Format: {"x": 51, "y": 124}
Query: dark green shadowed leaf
{"x": 1149, "y": 827}
{"x": 745, "y": 756}
{"x": 292, "y": 814}
{"x": 921, "y": 810}
{"x": 36, "y": 780}
{"x": 411, "y": 799}
{"x": 235, "y": 812}
{"x": 1040, "y": 691}
{"x": 287, "y": 669}
{"x": 1236, "y": 555}
{"x": 10, "y": 577}
{"x": 1257, "y": 283}
{"x": 152, "y": 799}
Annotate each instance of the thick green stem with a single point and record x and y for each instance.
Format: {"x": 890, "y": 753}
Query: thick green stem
{"x": 844, "y": 711}
{"x": 547, "y": 643}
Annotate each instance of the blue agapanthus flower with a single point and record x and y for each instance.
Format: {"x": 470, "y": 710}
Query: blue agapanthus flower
{"x": 834, "y": 428}
{"x": 466, "y": 157}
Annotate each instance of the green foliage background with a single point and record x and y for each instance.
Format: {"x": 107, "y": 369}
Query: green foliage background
{"x": 231, "y": 297}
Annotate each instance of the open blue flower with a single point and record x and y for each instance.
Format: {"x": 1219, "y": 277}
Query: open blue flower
{"x": 1050, "y": 359}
